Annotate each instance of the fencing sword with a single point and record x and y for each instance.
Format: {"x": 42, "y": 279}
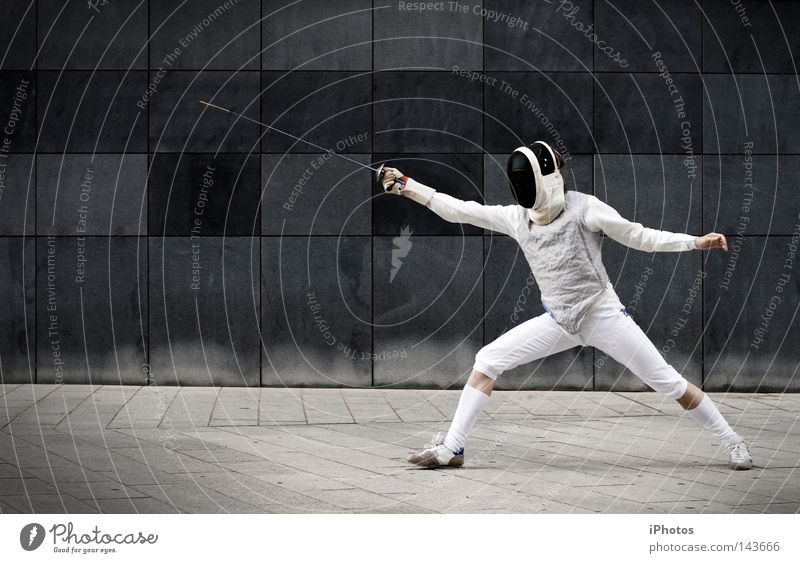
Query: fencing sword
{"x": 378, "y": 171}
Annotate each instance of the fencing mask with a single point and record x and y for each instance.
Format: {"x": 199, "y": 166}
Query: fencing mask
{"x": 536, "y": 182}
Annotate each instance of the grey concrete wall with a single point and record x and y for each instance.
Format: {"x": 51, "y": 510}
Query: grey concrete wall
{"x": 147, "y": 240}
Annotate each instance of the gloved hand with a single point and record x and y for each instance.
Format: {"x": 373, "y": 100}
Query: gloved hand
{"x": 711, "y": 240}
{"x": 395, "y": 183}
{"x": 393, "y": 180}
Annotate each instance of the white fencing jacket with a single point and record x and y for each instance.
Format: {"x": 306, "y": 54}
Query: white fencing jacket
{"x": 564, "y": 255}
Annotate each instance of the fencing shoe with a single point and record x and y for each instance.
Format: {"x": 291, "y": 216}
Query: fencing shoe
{"x": 740, "y": 456}
{"x": 436, "y": 454}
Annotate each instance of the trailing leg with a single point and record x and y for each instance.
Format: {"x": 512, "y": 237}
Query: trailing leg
{"x": 703, "y": 410}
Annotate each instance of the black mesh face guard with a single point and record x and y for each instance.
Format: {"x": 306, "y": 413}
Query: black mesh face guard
{"x": 530, "y": 170}
{"x": 523, "y": 180}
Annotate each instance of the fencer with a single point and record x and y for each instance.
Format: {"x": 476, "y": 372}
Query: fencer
{"x": 559, "y": 232}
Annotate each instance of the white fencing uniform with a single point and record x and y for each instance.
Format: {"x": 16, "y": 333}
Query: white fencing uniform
{"x": 560, "y": 237}
{"x": 565, "y": 258}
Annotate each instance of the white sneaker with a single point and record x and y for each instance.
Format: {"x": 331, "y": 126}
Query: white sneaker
{"x": 740, "y": 456}
{"x": 436, "y": 454}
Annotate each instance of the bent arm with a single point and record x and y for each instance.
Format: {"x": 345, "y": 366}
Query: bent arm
{"x": 603, "y": 217}
{"x": 498, "y": 218}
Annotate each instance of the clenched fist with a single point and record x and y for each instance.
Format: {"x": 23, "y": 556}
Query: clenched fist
{"x": 711, "y": 240}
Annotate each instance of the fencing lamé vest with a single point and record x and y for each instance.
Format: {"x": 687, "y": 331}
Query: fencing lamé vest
{"x": 565, "y": 259}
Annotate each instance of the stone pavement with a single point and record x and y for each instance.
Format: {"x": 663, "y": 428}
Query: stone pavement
{"x": 126, "y": 449}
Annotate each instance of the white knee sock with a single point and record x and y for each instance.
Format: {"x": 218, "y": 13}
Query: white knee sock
{"x": 470, "y": 406}
{"x": 706, "y": 413}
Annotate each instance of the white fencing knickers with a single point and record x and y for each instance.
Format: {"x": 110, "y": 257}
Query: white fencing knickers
{"x": 607, "y": 327}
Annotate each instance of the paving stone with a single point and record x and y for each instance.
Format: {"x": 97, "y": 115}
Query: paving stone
{"x": 417, "y": 411}
{"x": 397, "y": 508}
{"x": 372, "y": 411}
{"x": 29, "y": 485}
{"x": 9, "y": 471}
{"x": 190, "y": 406}
{"x": 191, "y": 498}
{"x": 29, "y": 456}
{"x": 379, "y": 484}
{"x": 326, "y": 409}
{"x": 164, "y": 437}
{"x": 144, "y": 475}
{"x": 281, "y": 405}
{"x": 772, "y": 508}
{"x": 300, "y": 482}
{"x": 144, "y": 505}
{"x": 66, "y": 474}
{"x": 234, "y": 406}
{"x": 7, "y": 388}
{"x": 263, "y": 469}
{"x": 8, "y": 509}
{"x": 106, "y": 489}
{"x": 221, "y": 455}
{"x": 261, "y": 493}
{"x": 48, "y": 504}
{"x": 166, "y": 460}
{"x": 353, "y": 499}
{"x": 104, "y": 437}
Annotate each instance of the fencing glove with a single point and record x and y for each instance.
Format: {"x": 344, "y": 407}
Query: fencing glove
{"x": 394, "y": 182}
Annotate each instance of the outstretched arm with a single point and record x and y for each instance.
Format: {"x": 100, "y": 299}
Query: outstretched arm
{"x": 603, "y": 217}
{"x": 498, "y": 218}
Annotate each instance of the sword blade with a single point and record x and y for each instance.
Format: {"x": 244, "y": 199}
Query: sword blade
{"x": 282, "y": 132}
